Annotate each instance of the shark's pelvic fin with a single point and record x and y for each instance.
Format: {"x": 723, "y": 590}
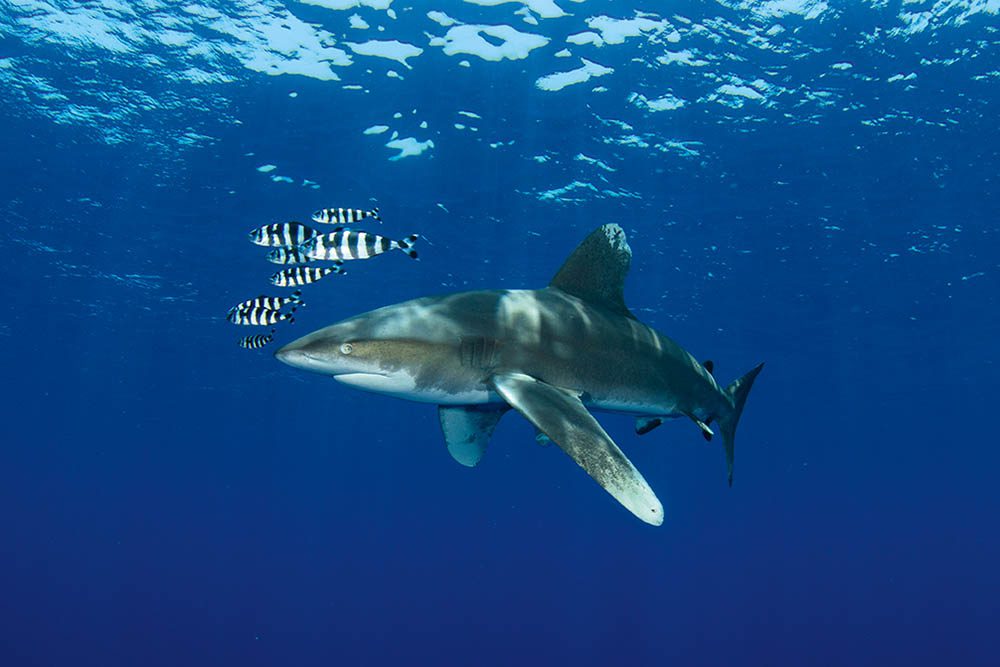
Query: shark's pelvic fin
{"x": 596, "y": 270}
{"x": 738, "y": 391}
{"x": 644, "y": 425}
{"x": 561, "y": 416}
{"x": 467, "y": 429}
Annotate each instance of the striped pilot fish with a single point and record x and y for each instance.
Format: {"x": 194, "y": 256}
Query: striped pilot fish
{"x": 285, "y": 255}
{"x": 256, "y": 341}
{"x": 270, "y": 302}
{"x": 303, "y": 275}
{"x": 259, "y": 316}
{"x": 345, "y": 245}
{"x": 344, "y": 216}
{"x": 282, "y": 234}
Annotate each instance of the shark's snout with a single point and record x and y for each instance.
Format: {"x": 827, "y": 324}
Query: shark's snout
{"x": 292, "y": 355}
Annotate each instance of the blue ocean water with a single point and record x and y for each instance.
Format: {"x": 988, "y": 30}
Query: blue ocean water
{"x": 804, "y": 183}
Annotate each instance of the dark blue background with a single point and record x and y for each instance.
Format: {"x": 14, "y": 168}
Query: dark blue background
{"x": 167, "y": 498}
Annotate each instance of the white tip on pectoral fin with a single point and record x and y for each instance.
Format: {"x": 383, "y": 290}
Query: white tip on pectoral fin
{"x": 562, "y": 417}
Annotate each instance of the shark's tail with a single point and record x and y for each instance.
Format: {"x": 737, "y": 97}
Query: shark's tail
{"x": 738, "y": 391}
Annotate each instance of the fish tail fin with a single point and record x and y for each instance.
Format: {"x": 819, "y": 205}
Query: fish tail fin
{"x": 376, "y": 214}
{"x": 406, "y": 245}
{"x": 738, "y": 392}
{"x": 297, "y": 298}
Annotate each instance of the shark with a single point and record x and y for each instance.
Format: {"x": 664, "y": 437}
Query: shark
{"x": 554, "y": 355}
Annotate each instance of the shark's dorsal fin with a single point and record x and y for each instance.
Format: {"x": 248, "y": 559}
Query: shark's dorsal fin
{"x": 596, "y": 270}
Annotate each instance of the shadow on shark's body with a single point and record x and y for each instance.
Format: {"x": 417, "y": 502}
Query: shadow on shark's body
{"x": 551, "y": 354}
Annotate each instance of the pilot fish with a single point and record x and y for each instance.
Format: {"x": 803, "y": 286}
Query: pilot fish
{"x": 282, "y": 234}
{"x": 288, "y": 256}
{"x": 343, "y": 216}
{"x": 303, "y": 275}
{"x": 270, "y": 302}
{"x": 256, "y": 341}
{"x": 259, "y": 316}
{"x": 345, "y": 245}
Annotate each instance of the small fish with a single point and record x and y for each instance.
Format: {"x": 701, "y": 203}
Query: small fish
{"x": 303, "y": 275}
{"x": 259, "y": 316}
{"x": 282, "y": 234}
{"x": 256, "y": 341}
{"x": 344, "y": 245}
{"x": 344, "y": 216}
{"x": 288, "y": 256}
{"x": 270, "y": 302}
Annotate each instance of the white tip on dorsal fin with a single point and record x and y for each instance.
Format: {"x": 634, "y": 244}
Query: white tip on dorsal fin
{"x": 596, "y": 270}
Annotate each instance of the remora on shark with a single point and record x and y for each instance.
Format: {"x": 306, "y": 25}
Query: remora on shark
{"x": 551, "y": 354}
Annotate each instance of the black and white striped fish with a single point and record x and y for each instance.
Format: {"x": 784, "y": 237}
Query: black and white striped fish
{"x": 345, "y": 245}
{"x": 288, "y": 256}
{"x": 270, "y": 302}
{"x": 256, "y": 341}
{"x": 344, "y": 216}
{"x": 259, "y": 316}
{"x": 303, "y": 275}
{"x": 282, "y": 234}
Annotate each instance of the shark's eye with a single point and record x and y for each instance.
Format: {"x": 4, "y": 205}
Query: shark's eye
{"x": 346, "y": 348}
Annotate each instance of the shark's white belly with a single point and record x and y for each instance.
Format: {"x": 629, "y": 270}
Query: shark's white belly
{"x": 403, "y": 385}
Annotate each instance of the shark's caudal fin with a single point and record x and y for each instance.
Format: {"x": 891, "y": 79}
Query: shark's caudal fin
{"x": 596, "y": 270}
{"x": 738, "y": 390}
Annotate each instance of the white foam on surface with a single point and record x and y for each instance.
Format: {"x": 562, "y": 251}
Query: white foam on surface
{"x": 468, "y": 39}
{"x": 547, "y": 9}
{"x": 389, "y": 49}
{"x": 559, "y": 80}
{"x": 739, "y": 91}
{"x": 685, "y": 57}
{"x": 376, "y": 129}
{"x": 807, "y": 9}
{"x": 266, "y": 168}
{"x": 616, "y": 31}
{"x": 580, "y": 157}
{"x": 409, "y": 147}
{"x": 341, "y": 5}
{"x": 358, "y": 23}
{"x": 441, "y": 18}
{"x": 560, "y": 194}
{"x": 664, "y": 103}
{"x": 585, "y": 37}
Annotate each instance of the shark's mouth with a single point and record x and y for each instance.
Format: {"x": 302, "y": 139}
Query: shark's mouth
{"x": 350, "y": 378}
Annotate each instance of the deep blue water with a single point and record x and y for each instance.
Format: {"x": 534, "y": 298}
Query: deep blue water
{"x": 168, "y": 498}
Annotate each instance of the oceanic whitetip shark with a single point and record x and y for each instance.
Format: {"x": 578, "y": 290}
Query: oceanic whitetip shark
{"x": 552, "y": 354}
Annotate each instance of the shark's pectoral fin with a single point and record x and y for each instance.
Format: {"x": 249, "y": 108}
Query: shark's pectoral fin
{"x": 467, "y": 429}
{"x": 562, "y": 416}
